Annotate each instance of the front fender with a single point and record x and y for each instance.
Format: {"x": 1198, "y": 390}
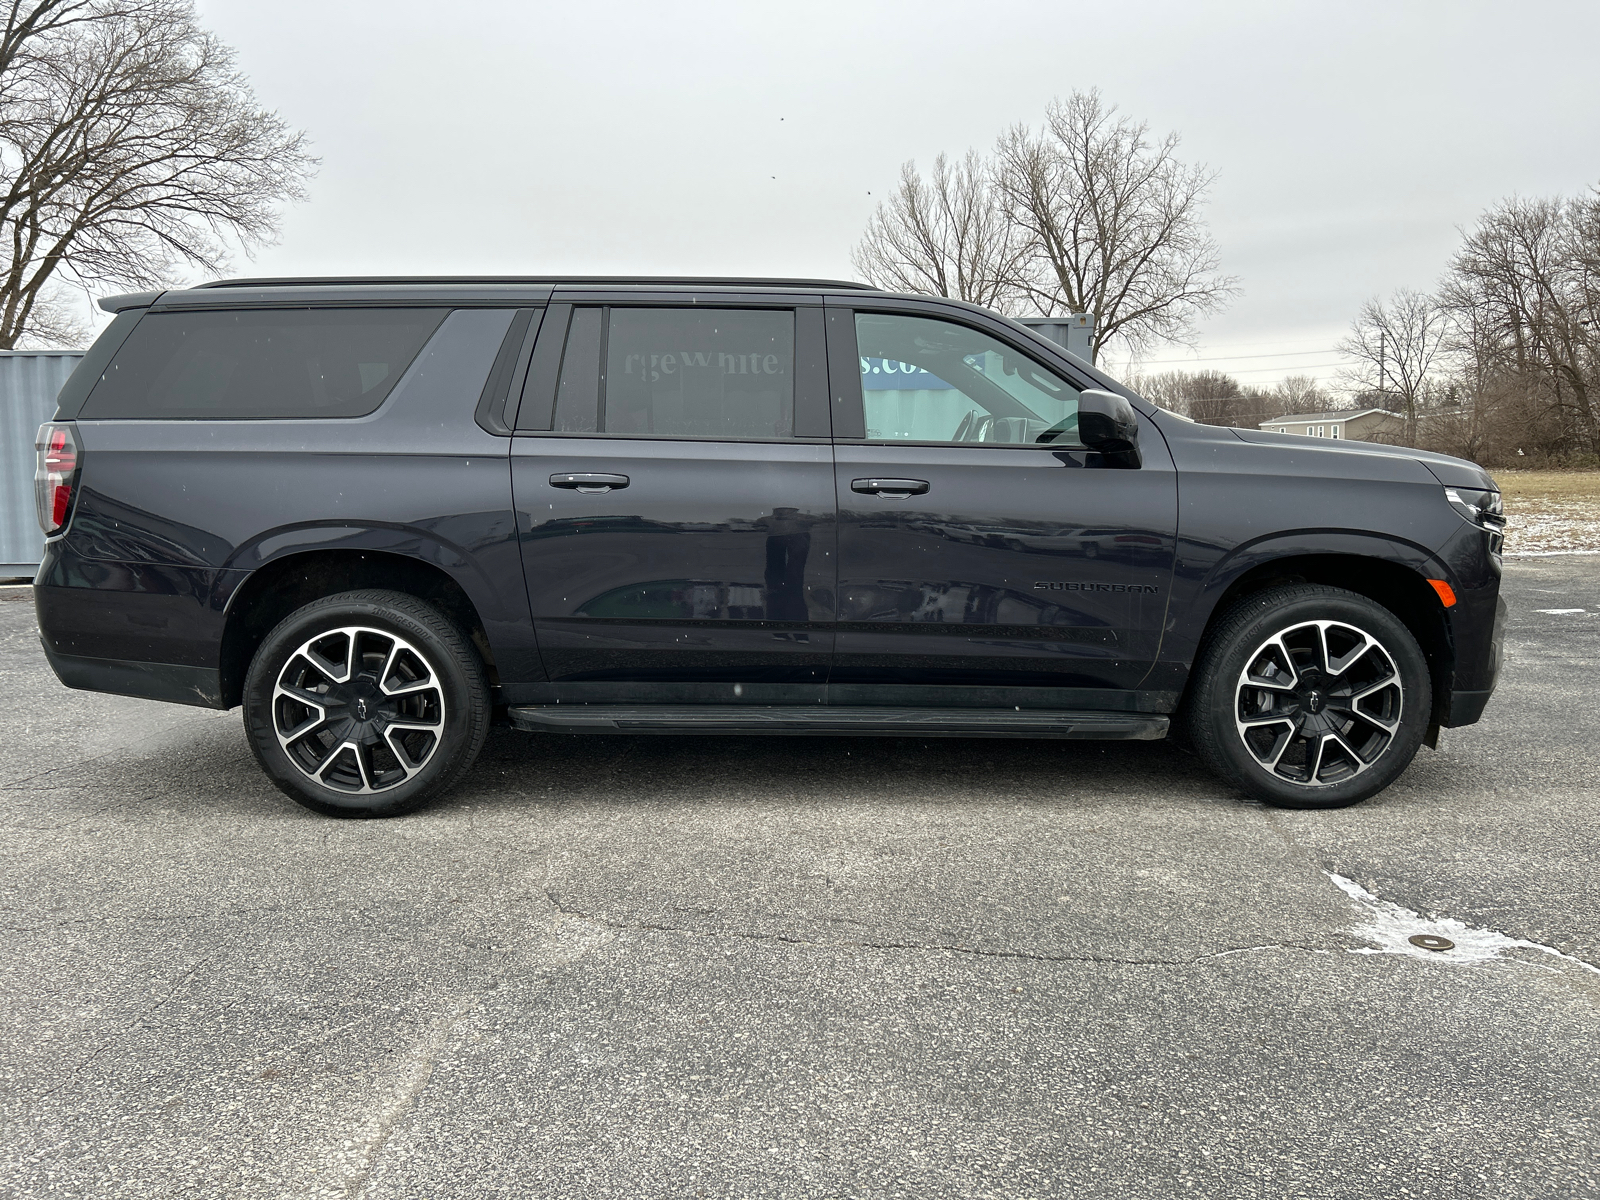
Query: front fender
{"x": 1357, "y": 545}
{"x": 1206, "y": 573}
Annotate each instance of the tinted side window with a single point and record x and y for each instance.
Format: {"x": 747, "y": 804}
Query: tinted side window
{"x": 244, "y": 363}
{"x": 679, "y": 372}
{"x": 925, "y": 380}
{"x": 578, "y": 393}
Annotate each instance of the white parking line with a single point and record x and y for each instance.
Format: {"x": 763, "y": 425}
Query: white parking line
{"x": 1559, "y": 612}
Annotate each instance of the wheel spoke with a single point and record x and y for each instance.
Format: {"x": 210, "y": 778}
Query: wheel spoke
{"x": 427, "y": 680}
{"x": 1386, "y": 682}
{"x": 1284, "y": 660}
{"x": 1267, "y": 719}
{"x": 309, "y": 725}
{"x": 1282, "y": 746}
{"x": 1359, "y": 762}
{"x": 1382, "y": 724}
{"x": 304, "y": 696}
{"x": 1322, "y": 645}
{"x": 1340, "y": 666}
{"x": 388, "y": 664}
{"x": 363, "y": 753}
{"x": 421, "y": 685}
{"x": 411, "y": 724}
{"x": 401, "y": 754}
{"x": 1316, "y": 763}
{"x": 326, "y": 767}
{"x": 333, "y": 672}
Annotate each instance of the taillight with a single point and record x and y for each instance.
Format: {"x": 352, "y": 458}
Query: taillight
{"x": 53, "y": 477}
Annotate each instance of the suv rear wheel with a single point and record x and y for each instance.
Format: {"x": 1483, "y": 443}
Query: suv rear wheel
{"x": 366, "y": 704}
{"x": 1310, "y": 696}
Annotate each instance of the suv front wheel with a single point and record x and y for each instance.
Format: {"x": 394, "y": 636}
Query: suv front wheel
{"x": 1310, "y": 696}
{"x": 366, "y": 704}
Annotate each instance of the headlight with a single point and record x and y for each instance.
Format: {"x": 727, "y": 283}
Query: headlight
{"x": 1483, "y": 508}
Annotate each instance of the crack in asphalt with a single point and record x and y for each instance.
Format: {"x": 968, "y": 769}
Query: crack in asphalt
{"x": 412, "y": 1080}
{"x": 184, "y": 979}
{"x": 921, "y": 947}
{"x": 79, "y": 818}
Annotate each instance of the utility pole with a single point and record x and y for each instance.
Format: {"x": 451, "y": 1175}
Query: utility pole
{"x": 1383, "y": 377}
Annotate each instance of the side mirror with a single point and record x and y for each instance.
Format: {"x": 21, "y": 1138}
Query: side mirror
{"x": 1107, "y": 424}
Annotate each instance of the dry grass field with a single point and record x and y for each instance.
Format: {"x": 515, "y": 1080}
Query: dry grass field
{"x": 1551, "y": 511}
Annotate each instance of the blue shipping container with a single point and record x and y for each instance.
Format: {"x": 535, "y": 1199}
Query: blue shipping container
{"x": 29, "y": 381}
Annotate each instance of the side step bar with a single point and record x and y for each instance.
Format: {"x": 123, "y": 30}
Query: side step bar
{"x": 836, "y": 720}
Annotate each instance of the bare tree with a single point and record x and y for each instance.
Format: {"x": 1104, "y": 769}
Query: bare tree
{"x": 1113, "y": 223}
{"x": 1525, "y": 290}
{"x": 1214, "y": 398}
{"x": 1301, "y": 394}
{"x": 1170, "y": 389}
{"x": 1398, "y": 348}
{"x": 130, "y": 147}
{"x": 944, "y": 237}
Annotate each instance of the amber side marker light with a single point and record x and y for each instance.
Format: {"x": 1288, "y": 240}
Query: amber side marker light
{"x": 1446, "y": 593}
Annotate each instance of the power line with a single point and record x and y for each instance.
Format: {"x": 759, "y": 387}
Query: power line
{"x": 1258, "y": 342}
{"x": 1153, "y": 362}
{"x": 1284, "y": 370}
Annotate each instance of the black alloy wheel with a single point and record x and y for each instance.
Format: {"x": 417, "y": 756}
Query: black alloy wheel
{"x": 1309, "y": 696}
{"x": 366, "y": 704}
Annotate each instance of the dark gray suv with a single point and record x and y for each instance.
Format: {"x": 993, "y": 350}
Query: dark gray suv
{"x": 374, "y": 511}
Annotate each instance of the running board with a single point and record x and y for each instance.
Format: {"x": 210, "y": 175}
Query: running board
{"x": 836, "y": 720}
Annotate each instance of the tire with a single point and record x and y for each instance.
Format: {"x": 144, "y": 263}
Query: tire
{"x": 344, "y": 742}
{"x": 1309, "y": 696}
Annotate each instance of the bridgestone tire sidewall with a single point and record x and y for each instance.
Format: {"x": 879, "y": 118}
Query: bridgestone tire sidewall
{"x": 462, "y": 682}
{"x": 1237, "y": 636}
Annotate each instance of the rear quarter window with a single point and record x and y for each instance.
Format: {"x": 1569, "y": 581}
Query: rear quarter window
{"x": 244, "y": 363}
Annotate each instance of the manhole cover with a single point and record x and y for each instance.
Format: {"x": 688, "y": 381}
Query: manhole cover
{"x": 1431, "y": 941}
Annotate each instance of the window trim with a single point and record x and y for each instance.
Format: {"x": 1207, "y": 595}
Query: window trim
{"x": 511, "y": 361}
{"x": 536, "y": 399}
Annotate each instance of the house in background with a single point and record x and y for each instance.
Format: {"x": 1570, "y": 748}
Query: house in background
{"x": 1362, "y": 425}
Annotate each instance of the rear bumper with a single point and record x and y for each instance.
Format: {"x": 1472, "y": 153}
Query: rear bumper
{"x": 199, "y": 686}
{"x": 132, "y": 629}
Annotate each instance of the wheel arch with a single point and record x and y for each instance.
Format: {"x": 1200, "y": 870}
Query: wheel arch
{"x": 280, "y": 586}
{"x": 1394, "y": 575}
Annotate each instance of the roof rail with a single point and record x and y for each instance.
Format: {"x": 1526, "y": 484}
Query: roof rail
{"x": 357, "y": 280}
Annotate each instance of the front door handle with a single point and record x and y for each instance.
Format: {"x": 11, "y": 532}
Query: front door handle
{"x": 890, "y": 487}
{"x": 589, "y": 483}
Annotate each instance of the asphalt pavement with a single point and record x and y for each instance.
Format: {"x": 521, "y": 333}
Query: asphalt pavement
{"x": 739, "y": 967}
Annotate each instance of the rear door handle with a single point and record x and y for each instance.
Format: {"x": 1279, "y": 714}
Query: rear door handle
{"x": 588, "y": 482}
{"x": 890, "y": 487}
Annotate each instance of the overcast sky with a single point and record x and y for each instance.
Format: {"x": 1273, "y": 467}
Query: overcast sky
{"x": 1351, "y": 139}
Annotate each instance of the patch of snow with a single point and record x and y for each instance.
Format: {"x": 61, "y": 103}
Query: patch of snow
{"x": 1389, "y": 926}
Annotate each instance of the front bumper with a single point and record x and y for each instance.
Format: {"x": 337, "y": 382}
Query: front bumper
{"x": 1467, "y": 704}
